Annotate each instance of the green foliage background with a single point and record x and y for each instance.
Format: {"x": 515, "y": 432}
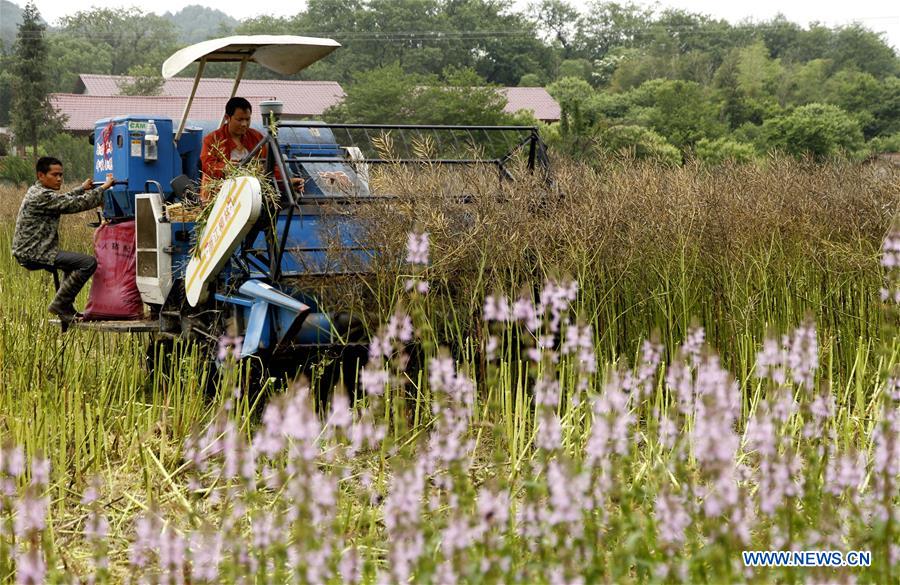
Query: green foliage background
{"x": 675, "y": 79}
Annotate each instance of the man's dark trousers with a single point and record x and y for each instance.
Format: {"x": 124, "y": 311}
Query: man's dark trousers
{"x": 77, "y": 269}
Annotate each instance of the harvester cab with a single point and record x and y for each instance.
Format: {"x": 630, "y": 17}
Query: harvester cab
{"x": 240, "y": 262}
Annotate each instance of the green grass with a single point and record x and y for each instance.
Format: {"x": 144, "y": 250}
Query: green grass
{"x": 742, "y": 252}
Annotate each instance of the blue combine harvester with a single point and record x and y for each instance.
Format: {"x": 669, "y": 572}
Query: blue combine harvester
{"x": 241, "y": 267}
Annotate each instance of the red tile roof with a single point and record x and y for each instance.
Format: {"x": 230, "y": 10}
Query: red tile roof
{"x": 535, "y": 99}
{"x": 100, "y": 98}
{"x": 300, "y": 98}
{"x": 84, "y": 110}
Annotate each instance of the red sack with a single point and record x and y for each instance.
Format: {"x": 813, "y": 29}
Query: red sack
{"x": 114, "y": 292}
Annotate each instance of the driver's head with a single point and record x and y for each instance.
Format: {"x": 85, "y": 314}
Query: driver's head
{"x": 237, "y": 116}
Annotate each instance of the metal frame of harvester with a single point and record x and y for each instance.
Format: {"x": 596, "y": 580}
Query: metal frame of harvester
{"x": 269, "y": 251}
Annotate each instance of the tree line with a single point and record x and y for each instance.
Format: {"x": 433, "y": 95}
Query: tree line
{"x": 662, "y": 83}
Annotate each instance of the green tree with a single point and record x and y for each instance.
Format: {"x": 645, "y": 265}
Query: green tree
{"x": 6, "y": 83}
{"x": 133, "y": 37}
{"x": 812, "y": 43}
{"x": 733, "y": 81}
{"x": 607, "y": 25}
{"x": 634, "y": 67}
{"x": 16, "y": 170}
{"x": 637, "y": 142}
{"x": 498, "y": 58}
{"x": 681, "y": 111}
{"x": 196, "y": 23}
{"x": 855, "y": 47}
{"x": 32, "y": 115}
{"x": 69, "y": 56}
{"x": 805, "y": 83}
{"x": 780, "y": 36}
{"x": 75, "y": 152}
{"x": 820, "y": 130}
{"x": 580, "y": 68}
{"x": 530, "y": 80}
{"x": 717, "y": 151}
{"x": 143, "y": 80}
{"x": 391, "y": 96}
{"x": 558, "y": 24}
{"x": 381, "y": 95}
{"x": 758, "y": 75}
{"x": 860, "y": 94}
{"x": 885, "y": 144}
{"x": 571, "y": 92}
{"x": 887, "y": 111}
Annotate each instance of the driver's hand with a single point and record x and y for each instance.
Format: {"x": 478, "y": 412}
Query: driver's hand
{"x": 297, "y": 183}
{"x": 88, "y": 184}
{"x": 109, "y": 182}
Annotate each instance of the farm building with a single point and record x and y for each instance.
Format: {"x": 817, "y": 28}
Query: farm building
{"x": 99, "y": 96}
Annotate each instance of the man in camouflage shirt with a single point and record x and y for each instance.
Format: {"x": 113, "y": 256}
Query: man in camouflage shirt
{"x": 36, "y": 241}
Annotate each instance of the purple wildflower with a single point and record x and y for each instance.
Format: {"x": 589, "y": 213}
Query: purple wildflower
{"x": 524, "y": 311}
{"x": 206, "y": 554}
{"x": 714, "y": 441}
{"x": 172, "y": 555}
{"x": 845, "y": 473}
{"x": 643, "y": 379}
{"x": 341, "y": 414}
{"x": 418, "y": 285}
{"x": 31, "y": 568}
{"x": 229, "y": 348}
{"x": 96, "y": 527}
{"x": 568, "y": 497}
{"x": 456, "y": 536}
{"x": 693, "y": 343}
{"x": 380, "y": 347}
{"x": 770, "y": 362}
{"x": 890, "y": 256}
{"x": 886, "y": 464}
{"x": 579, "y": 340}
{"x": 351, "y": 567}
{"x": 556, "y": 298}
{"x": 549, "y": 431}
{"x": 399, "y": 328}
{"x": 269, "y": 440}
{"x": 493, "y": 510}
{"x": 803, "y": 354}
{"x": 417, "y": 248}
{"x": 496, "y": 308}
{"x": 147, "y": 533}
{"x": 374, "y": 379}
{"x": 40, "y": 471}
{"x": 672, "y": 520}
{"x": 668, "y": 432}
{"x": 680, "y": 378}
{"x": 90, "y": 495}
{"x": 490, "y": 347}
{"x": 402, "y": 522}
{"x": 612, "y": 420}
{"x": 15, "y": 461}
{"x": 31, "y": 514}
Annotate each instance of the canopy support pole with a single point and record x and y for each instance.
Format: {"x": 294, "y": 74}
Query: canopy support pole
{"x": 187, "y": 106}
{"x": 240, "y": 75}
{"x": 237, "y": 81}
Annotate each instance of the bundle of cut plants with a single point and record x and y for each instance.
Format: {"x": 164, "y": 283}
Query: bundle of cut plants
{"x": 270, "y": 195}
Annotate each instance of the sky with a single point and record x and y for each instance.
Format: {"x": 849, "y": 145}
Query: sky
{"x": 878, "y": 15}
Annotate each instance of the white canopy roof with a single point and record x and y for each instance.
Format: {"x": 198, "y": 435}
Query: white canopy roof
{"x": 282, "y": 54}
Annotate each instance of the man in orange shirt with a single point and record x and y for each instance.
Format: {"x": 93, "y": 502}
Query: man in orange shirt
{"x": 232, "y": 142}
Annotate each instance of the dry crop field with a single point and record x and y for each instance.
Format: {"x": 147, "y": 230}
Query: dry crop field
{"x": 632, "y": 377}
